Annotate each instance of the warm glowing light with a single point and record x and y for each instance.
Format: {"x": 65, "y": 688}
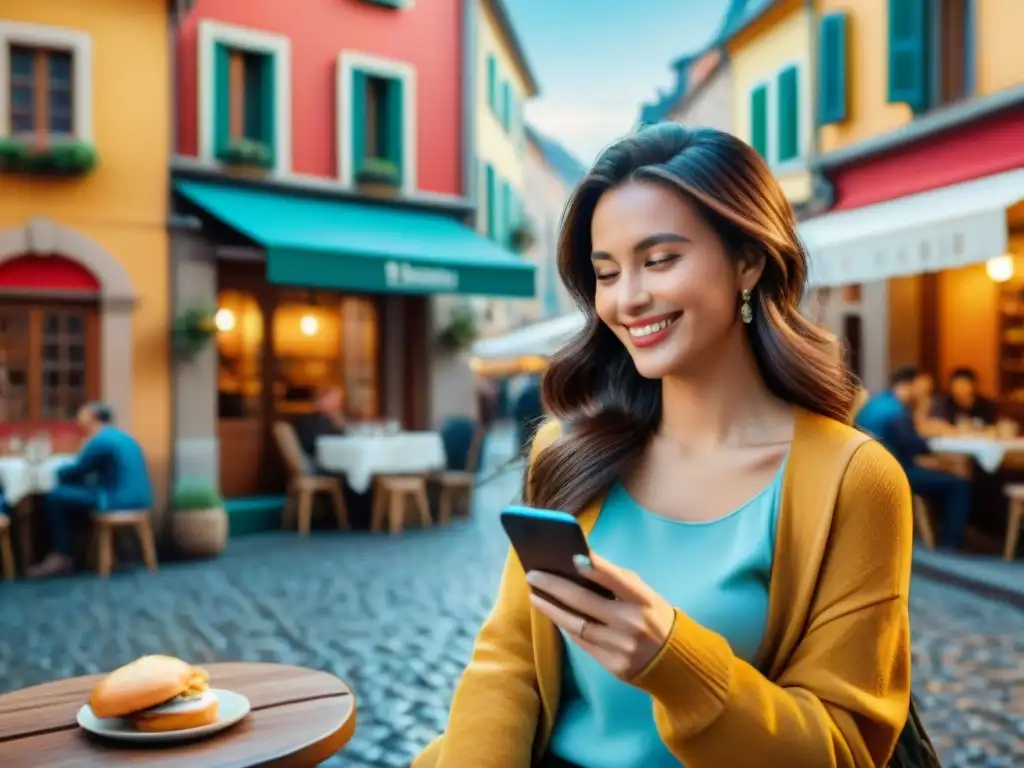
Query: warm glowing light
{"x": 224, "y": 320}
{"x": 1000, "y": 269}
{"x": 309, "y": 325}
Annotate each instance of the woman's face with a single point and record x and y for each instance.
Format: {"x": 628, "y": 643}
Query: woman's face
{"x": 665, "y": 285}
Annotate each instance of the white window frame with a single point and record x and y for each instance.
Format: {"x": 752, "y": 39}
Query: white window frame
{"x": 78, "y": 43}
{"x": 257, "y": 41}
{"x": 350, "y": 62}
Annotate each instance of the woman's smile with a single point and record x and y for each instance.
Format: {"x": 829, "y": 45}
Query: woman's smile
{"x": 651, "y": 331}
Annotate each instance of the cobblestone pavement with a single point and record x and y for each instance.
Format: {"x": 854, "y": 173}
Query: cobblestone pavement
{"x": 395, "y": 617}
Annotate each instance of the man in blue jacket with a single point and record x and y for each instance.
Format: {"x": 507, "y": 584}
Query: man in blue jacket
{"x": 889, "y": 417}
{"x": 109, "y": 474}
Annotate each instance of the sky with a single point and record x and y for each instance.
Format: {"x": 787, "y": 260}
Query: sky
{"x": 598, "y": 60}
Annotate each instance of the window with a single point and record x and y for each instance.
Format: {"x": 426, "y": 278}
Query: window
{"x": 41, "y": 92}
{"x": 379, "y": 125}
{"x": 789, "y": 114}
{"x": 48, "y": 359}
{"x": 492, "y": 83}
{"x": 245, "y": 105}
{"x": 931, "y": 52}
{"x": 506, "y": 105}
{"x": 759, "y": 120}
{"x": 492, "y": 201}
{"x": 832, "y": 74}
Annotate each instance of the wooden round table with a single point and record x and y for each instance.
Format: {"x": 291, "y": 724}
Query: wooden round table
{"x": 300, "y": 717}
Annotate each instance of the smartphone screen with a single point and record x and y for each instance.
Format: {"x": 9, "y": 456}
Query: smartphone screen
{"x": 546, "y": 540}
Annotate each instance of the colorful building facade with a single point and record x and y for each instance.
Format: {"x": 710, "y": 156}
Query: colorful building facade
{"x": 921, "y": 115}
{"x": 322, "y": 202}
{"x": 84, "y": 150}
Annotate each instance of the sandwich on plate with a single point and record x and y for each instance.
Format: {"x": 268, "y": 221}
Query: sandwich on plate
{"x": 157, "y": 694}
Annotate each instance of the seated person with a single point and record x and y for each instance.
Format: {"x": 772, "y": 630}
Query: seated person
{"x": 109, "y": 474}
{"x": 927, "y": 424}
{"x": 888, "y": 416}
{"x": 327, "y": 419}
{"x": 962, "y": 405}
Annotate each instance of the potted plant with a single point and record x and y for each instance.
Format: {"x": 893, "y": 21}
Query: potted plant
{"x": 199, "y": 524}
{"x": 192, "y": 330}
{"x": 460, "y": 332}
{"x": 522, "y": 238}
{"x": 47, "y": 157}
{"x": 378, "y": 172}
{"x": 246, "y": 153}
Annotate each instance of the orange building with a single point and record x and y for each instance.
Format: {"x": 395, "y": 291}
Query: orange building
{"x": 84, "y": 156}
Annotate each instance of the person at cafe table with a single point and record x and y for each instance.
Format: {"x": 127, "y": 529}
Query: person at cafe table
{"x": 963, "y": 406}
{"x": 327, "y": 419}
{"x": 889, "y": 417}
{"x": 109, "y": 474}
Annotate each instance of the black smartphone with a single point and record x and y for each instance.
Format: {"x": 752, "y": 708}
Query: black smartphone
{"x": 547, "y": 541}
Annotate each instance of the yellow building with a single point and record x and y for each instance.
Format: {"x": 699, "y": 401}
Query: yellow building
{"x": 84, "y": 156}
{"x": 773, "y": 88}
{"x": 503, "y": 84}
{"x": 895, "y": 73}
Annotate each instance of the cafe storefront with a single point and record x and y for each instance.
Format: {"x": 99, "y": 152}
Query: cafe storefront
{"x": 308, "y": 290}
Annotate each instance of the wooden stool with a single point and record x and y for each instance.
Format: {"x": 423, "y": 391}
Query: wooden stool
{"x": 1015, "y": 493}
{"x": 302, "y": 490}
{"x": 106, "y": 523}
{"x": 6, "y": 554}
{"x": 456, "y": 489}
{"x": 391, "y": 495}
{"x": 923, "y": 522}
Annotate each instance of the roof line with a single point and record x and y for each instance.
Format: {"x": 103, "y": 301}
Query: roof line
{"x": 516, "y": 47}
{"x": 923, "y": 127}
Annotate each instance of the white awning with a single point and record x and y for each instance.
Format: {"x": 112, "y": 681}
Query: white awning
{"x": 941, "y": 229}
{"x": 540, "y": 339}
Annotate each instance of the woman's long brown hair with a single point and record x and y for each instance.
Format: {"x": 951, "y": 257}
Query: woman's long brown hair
{"x": 607, "y": 409}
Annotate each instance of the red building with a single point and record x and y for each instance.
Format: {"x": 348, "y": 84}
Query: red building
{"x": 320, "y": 202}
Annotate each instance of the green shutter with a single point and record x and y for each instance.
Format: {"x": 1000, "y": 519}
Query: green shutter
{"x": 358, "y": 117}
{"x": 832, "y": 72}
{"x": 492, "y": 202}
{"x": 268, "y": 106}
{"x": 509, "y": 195}
{"x": 789, "y": 114}
{"x": 492, "y": 83}
{"x": 759, "y": 120}
{"x": 395, "y": 124}
{"x": 908, "y": 53}
{"x": 506, "y": 105}
{"x": 221, "y": 99}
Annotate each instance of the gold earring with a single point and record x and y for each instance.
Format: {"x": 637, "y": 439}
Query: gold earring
{"x": 746, "y": 313}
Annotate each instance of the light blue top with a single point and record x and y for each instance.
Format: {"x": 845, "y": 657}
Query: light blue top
{"x": 716, "y": 572}
{"x": 113, "y": 465}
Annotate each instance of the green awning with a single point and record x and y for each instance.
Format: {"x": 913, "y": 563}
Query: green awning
{"x": 321, "y": 243}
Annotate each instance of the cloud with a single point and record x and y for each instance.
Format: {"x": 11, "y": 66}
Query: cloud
{"x": 584, "y": 129}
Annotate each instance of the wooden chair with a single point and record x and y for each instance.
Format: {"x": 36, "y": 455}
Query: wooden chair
{"x": 456, "y": 486}
{"x": 391, "y": 497}
{"x": 6, "y": 553}
{"x": 1015, "y": 493}
{"x": 106, "y": 524}
{"x": 304, "y": 486}
{"x": 923, "y": 522}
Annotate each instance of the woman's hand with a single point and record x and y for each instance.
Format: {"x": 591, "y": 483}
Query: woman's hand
{"x": 623, "y": 635}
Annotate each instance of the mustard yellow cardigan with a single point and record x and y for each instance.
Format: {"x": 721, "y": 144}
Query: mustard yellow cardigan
{"x": 831, "y": 686}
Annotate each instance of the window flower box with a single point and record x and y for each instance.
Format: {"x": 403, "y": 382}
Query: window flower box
{"x": 246, "y": 153}
{"x": 378, "y": 171}
{"x": 47, "y": 157}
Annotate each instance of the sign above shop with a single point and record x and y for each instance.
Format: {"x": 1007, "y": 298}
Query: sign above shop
{"x": 401, "y": 274}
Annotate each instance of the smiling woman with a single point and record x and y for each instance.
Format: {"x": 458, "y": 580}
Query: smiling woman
{"x": 757, "y": 547}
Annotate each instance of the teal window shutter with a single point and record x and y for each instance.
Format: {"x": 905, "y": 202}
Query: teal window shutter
{"x": 510, "y": 213}
{"x": 394, "y": 121}
{"x": 759, "y": 120}
{"x": 267, "y": 105}
{"x": 832, "y": 69}
{"x": 492, "y": 83}
{"x": 492, "y": 198}
{"x": 789, "y": 114}
{"x": 506, "y": 105}
{"x": 221, "y": 98}
{"x": 908, "y": 53}
{"x": 358, "y": 117}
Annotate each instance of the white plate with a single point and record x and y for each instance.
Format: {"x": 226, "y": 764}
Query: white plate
{"x": 232, "y": 708}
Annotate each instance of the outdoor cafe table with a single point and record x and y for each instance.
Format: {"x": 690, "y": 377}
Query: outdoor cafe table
{"x": 361, "y": 457}
{"x": 300, "y": 717}
{"x": 989, "y": 452}
{"x": 21, "y": 481}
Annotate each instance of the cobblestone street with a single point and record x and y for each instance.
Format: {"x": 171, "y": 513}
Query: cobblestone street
{"x": 395, "y": 617}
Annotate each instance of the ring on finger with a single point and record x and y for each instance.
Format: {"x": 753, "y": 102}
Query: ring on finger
{"x": 583, "y": 628}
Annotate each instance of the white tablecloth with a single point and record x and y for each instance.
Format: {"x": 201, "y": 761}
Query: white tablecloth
{"x": 20, "y": 479}
{"x": 989, "y": 452}
{"x": 359, "y": 458}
